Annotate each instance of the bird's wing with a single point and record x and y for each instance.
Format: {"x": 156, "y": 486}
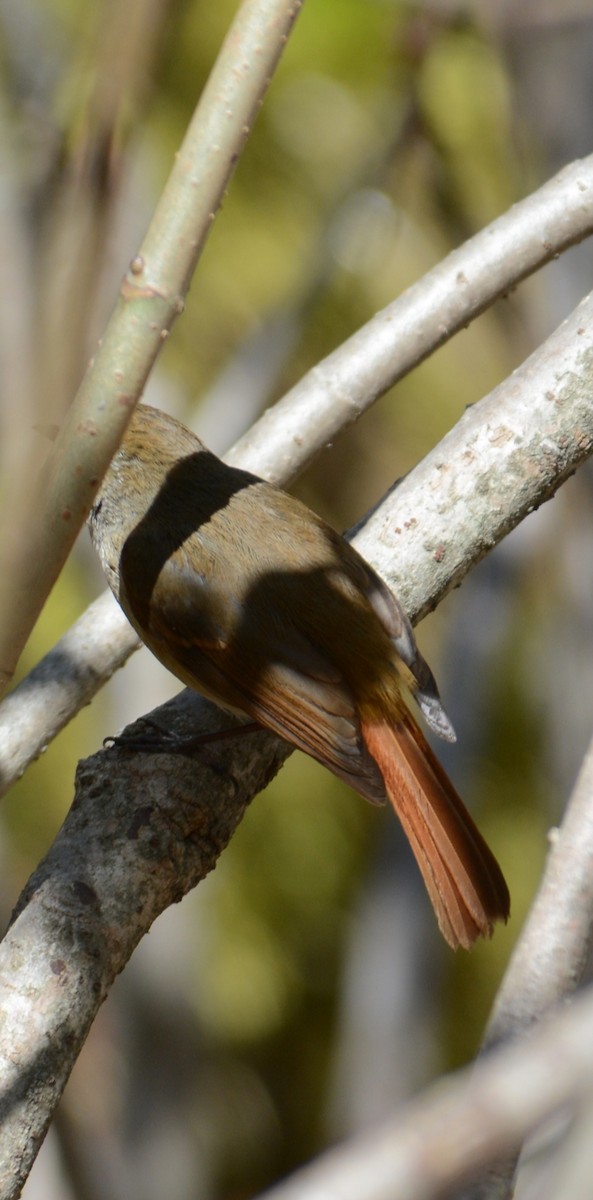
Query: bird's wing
{"x": 262, "y": 664}
{"x": 421, "y": 680}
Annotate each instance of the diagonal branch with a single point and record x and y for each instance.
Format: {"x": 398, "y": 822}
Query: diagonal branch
{"x": 445, "y": 1135}
{"x": 338, "y": 390}
{"x": 151, "y": 297}
{"x": 505, "y": 456}
{"x": 551, "y": 954}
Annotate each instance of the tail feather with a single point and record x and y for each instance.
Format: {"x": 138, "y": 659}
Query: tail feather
{"x": 463, "y": 879}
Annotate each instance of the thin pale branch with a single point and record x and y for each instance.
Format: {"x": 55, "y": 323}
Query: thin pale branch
{"x": 151, "y": 297}
{"x": 428, "y": 314}
{"x": 62, "y": 683}
{"x": 78, "y": 216}
{"x": 444, "y": 1136}
{"x": 552, "y": 950}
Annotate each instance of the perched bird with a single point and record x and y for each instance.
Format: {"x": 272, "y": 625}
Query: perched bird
{"x": 248, "y": 597}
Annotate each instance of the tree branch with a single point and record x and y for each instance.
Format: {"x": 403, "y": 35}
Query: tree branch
{"x": 66, "y": 679}
{"x": 506, "y": 455}
{"x": 549, "y": 958}
{"x": 143, "y": 829}
{"x": 444, "y": 1136}
{"x": 339, "y": 389}
{"x": 151, "y": 297}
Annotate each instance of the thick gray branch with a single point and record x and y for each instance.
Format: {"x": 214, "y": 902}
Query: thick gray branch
{"x": 507, "y": 455}
{"x": 142, "y": 831}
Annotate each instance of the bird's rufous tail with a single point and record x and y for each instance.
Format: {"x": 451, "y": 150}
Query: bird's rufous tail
{"x": 464, "y": 881}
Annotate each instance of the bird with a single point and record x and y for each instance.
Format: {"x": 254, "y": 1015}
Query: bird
{"x": 250, "y": 598}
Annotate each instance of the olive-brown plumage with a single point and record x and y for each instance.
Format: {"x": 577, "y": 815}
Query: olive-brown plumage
{"x": 250, "y": 598}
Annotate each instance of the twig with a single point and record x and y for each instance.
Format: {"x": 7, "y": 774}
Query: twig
{"x": 551, "y": 953}
{"x": 151, "y": 297}
{"x": 62, "y": 683}
{"x": 552, "y": 950}
{"x": 445, "y": 1135}
{"x": 428, "y": 314}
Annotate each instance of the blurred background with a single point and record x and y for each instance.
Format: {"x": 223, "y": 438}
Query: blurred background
{"x": 303, "y": 990}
